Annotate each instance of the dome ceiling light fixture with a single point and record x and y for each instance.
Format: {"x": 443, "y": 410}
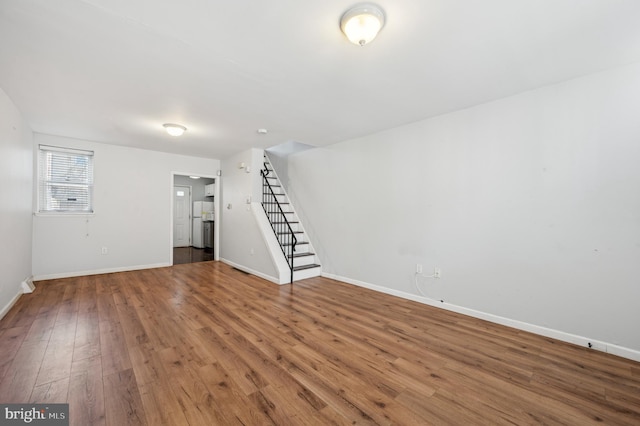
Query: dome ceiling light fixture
{"x": 174, "y": 129}
{"x": 362, "y": 23}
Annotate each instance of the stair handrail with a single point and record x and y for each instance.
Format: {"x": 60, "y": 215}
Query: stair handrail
{"x": 282, "y": 230}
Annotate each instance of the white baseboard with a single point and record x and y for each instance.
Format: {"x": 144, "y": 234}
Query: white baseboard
{"x": 99, "y": 271}
{"x": 26, "y": 286}
{"x": 251, "y": 271}
{"x": 271, "y": 242}
{"x": 9, "y": 305}
{"x": 536, "y": 329}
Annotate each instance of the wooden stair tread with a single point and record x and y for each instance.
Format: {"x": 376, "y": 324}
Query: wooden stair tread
{"x": 303, "y": 267}
{"x": 302, "y": 254}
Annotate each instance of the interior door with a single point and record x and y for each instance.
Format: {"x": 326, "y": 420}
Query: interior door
{"x": 181, "y": 216}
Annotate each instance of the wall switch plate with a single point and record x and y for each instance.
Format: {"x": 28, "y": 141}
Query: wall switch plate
{"x": 437, "y": 272}
{"x": 105, "y": 250}
{"x": 418, "y": 268}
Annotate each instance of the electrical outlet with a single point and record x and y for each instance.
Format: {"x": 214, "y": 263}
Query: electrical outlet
{"x": 437, "y": 272}
{"x": 418, "y": 268}
{"x": 105, "y": 250}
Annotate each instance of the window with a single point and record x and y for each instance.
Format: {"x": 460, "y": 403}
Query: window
{"x": 65, "y": 180}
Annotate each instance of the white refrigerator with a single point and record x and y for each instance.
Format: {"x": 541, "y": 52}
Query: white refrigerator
{"x": 202, "y": 212}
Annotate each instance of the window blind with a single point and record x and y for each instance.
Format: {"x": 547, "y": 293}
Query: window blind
{"x": 65, "y": 180}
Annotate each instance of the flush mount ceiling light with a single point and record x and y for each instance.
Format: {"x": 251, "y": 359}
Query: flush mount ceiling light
{"x": 174, "y": 129}
{"x": 362, "y": 23}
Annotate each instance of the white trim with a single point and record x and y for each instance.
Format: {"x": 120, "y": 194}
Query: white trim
{"x": 63, "y": 214}
{"x": 250, "y": 271}
{"x": 623, "y": 352}
{"x": 532, "y": 328}
{"x": 27, "y": 285}
{"x": 270, "y": 240}
{"x": 99, "y": 271}
{"x": 9, "y": 305}
{"x": 66, "y": 150}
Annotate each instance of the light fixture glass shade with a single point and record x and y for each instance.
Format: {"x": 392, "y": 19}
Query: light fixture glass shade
{"x": 361, "y": 24}
{"x": 174, "y": 129}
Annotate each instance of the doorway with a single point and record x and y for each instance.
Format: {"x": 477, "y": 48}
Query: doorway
{"x": 203, "y": 193}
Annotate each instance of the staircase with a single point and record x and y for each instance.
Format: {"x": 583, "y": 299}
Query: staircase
{"x": 291, "y": 237}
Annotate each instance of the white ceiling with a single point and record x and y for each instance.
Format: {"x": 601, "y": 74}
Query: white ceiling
{"x": 114, "y": 71}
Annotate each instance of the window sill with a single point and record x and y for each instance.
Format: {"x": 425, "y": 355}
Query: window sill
{"x": 60, "y": 214}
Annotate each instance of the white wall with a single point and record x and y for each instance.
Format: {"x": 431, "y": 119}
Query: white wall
{"x": 15, "y": 201}
{"x": 132, "y": 200}
{"x": 242, "y": 243}
{"x": 530, "y": 205}
{"x": 278, "y": 157}
{"x": 197, "y": 186}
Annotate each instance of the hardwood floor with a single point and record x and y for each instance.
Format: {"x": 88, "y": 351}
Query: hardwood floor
{"x": 191, "y": 255}
{"x": 204, "y": 344}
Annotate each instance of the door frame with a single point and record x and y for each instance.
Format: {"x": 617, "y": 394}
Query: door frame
{"x": 216, "y": 206}
{"x": 190, "y": 213}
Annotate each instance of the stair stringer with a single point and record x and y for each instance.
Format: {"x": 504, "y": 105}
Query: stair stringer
{"x": 284, "y": 273}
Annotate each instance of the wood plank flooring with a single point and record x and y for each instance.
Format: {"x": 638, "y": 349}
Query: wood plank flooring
{"x": 205, "y": 344}
{"x": 191, "y": 255}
